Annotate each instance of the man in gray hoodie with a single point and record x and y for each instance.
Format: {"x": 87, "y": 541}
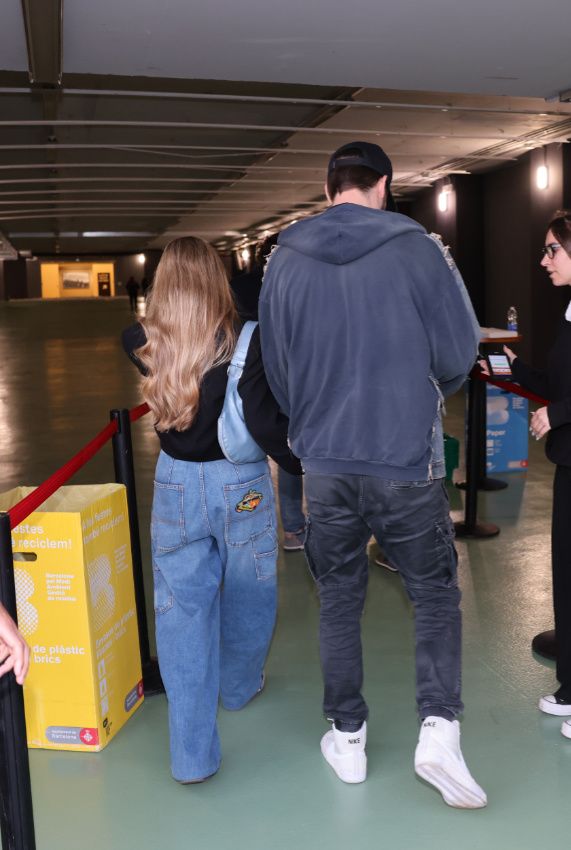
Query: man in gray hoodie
{"x": 365, "y": 329}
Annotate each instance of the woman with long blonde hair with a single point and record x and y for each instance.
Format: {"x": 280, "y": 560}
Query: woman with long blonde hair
{"x": 213, "y": 525}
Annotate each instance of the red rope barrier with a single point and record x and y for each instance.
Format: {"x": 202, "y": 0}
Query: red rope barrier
{"x": 25, "y": 507}
{"x": 33, "y": 500}
{"x": 136, "y": 412}
{"x": 506, "y": 385}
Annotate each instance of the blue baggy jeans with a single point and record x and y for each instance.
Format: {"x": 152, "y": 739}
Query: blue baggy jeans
{"x": 214, "y": 544}
{"x": 411, "y": 520}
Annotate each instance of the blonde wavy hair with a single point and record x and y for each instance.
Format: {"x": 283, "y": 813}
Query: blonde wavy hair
{"x": 190, "y": 327}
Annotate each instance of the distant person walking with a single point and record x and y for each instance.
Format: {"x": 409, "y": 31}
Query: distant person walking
{"x": 132, "y": 288}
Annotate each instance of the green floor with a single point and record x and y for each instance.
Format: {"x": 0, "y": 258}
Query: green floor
{"x": 62, "y": 371}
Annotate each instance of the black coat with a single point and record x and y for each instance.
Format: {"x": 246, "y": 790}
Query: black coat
{"x": 554, "y": 385}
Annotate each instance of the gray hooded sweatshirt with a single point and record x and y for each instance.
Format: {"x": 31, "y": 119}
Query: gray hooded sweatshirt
{"x": 364, "y": 329}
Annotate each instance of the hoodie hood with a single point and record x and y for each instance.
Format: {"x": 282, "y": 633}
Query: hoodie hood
{"x": 346, "y": 232}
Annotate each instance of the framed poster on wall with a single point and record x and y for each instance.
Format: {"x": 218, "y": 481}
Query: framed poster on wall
{"x": 75, "y": 279}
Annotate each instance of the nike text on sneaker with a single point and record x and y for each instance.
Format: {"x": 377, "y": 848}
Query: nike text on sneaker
{"x": 345, "y": 752}
{"x": 551, "y": 704}
{"x": 439, "y": 761}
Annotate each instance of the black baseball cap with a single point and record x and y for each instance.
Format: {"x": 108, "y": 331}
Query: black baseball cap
{"x": 369, "y": 156}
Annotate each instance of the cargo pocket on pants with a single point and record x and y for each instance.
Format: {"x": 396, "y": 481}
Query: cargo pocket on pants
{"x": 266, "y": 555}
{"x": 444, "y": 532}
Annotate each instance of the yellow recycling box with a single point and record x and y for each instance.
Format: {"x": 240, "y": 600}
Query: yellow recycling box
{"x": 76, "y": 609}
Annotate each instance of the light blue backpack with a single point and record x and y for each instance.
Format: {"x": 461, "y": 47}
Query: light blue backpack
{"x": 235, "y": 440}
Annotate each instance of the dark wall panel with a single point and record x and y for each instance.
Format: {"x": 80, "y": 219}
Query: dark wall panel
{"x": 507, "y": 235}
{"x": 15, "y": 282}
{"x": 125, "y": 267}
{"x": 34, "y": 279}
{"x": 469, "y": 250}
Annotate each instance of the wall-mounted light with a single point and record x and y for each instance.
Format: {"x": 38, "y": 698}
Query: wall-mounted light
{"x": 141, "y": 259}
{"x": 442, "y": 200}
{"x": 542, "y": 177}
{"x": 542, "y": 173}
{"x": 245, "y": 254}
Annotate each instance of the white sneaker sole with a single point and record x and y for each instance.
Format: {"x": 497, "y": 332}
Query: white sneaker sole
{"x": 554, "y": 708}
{"x": 566, "y": 729}
{"x": 454, "y": 792}
{"x": 351, "y": 768}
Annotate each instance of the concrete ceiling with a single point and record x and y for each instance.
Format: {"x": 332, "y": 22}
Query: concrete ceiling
{"x": 134, "y": 121}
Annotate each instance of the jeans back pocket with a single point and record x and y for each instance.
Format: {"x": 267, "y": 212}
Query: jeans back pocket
{"x": 167, "y": 519}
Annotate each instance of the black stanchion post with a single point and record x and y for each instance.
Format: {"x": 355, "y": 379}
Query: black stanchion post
{"x": 471, "y": 527}
{"x": 16, "y": 812}
{"x": 125, "y": 474}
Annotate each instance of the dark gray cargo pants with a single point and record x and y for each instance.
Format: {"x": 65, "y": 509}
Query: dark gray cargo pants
{"x": 411, "y": 519}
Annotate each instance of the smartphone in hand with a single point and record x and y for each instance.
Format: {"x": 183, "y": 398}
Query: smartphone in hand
{"x": 498, "y": 364}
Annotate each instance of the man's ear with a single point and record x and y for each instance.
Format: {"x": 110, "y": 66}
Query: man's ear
{"x": 381, "y": 188}
{"x": 325, "y": 189}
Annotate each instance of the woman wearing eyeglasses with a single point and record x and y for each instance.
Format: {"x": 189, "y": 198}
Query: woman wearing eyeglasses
{"x": 554, "y": 420}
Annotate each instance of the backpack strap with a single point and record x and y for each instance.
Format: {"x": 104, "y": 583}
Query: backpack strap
{"x": 241, "y": 350}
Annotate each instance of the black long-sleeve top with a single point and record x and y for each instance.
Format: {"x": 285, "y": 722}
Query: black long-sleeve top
{"x": 265, "y": 421}
{"x": 554, "y": 385}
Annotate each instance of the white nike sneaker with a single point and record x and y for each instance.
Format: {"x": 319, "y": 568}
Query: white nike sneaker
{"x": 439, "y": 761}
{"x": 566, "y": 728}
{"x": 345, "y": 752}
